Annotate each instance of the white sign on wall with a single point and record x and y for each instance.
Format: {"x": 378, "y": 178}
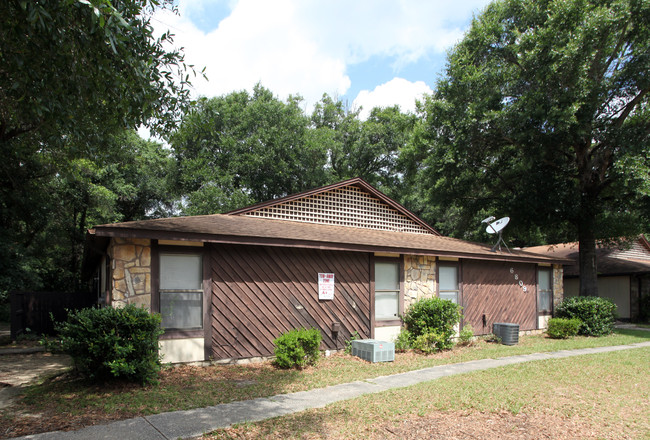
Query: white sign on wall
{"x": 325, "y": 286}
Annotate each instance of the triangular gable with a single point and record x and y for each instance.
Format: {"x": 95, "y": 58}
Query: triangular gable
{"x": 352, "y": 203}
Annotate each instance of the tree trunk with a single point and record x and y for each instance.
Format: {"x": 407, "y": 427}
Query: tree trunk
{"x": 587, "y": 257}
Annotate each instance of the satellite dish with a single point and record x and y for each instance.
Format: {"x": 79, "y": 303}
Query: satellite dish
{"x": 497, "y": 226}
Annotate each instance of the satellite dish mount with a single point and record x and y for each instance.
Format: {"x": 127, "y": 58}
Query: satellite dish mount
{"x": 496, "y": 227}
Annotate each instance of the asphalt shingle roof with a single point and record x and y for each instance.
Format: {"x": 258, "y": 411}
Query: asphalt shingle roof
{"x": 248, "y": 230}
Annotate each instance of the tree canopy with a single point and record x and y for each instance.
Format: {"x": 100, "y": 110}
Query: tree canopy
{"x": 544, "y": 113}
{"x": 74, "y": 75}
{"x": 76, "y": 67}
{"x": 243, "y": 148}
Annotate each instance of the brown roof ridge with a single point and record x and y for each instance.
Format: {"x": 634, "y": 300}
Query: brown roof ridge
{"x": 356, "y": 181}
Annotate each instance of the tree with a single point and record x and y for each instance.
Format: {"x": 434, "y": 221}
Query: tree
{"x": 243, "y": 148}
{"x": 368, "y": 149}
{"x": 42, "y": 241}
{"x": 73, "y": 73}
{"x": 543, "y": 113}
{"x": 76, "y": 67}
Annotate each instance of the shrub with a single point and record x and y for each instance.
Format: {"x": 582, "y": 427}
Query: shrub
{"x": 297, "y": 348}
{"x": 433, "y": 315}
{"x": 403, "y": 341}
{"x": 492, "y": 338}
{"x": 112, "y": 342}
{"x": 466, "y": 335}
{"x": 562, "y": 328}
{"x": 597, "y": 314}
{"x": 348, "y": 344}
{"x": 431, "y": 342}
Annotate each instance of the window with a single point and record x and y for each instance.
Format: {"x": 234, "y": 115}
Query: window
{"x": 544, "y": 291}
{"x": 387, "y": 290}
{"x": 181, "y": 291}
{"x": 448, "y": 283}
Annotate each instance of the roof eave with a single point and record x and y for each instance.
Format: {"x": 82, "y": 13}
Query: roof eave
{"x": 313, "y": 244}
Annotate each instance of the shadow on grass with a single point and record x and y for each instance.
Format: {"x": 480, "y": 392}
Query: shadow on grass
{"x": 179, "y": 388}
{"x": 642, "y": 335}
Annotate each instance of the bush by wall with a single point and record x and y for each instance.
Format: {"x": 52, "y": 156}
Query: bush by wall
{"x": 466, "y": 335}
{"x": 433, "y": 316}
{"x": 562, "y": 328}
{"x": 297, "y": 348}
{"x": 112, "y": 342}
{"x": 597, "y": 314}
{"x": 431, "y": 342}
{"x": 403, "y": 341}
{"x": 348, "y": 344}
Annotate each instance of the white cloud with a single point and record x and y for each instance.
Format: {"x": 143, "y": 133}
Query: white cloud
{"x": 406, "y": 30}
{"x": 305, "y": 46}
{"x": 396, "y": 91}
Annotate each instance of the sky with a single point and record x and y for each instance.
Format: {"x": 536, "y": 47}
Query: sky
{"x": 366, "y": 53}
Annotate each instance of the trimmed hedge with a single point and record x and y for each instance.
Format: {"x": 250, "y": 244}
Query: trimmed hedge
{"x": 598, "y": 315}
{"x": 112, "y": 343}
{"x": 297, "y": 348}
{"x": 562, "y": 328}
{"x": 435, "y": 318}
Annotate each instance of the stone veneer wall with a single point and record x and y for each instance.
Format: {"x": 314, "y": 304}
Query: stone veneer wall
{"x": 131, "y": 272}
{"x": 419, "y": 278}
{"x": 558, "y": 284}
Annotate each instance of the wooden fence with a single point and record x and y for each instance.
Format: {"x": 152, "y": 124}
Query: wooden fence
{"x": 31, "y": 310}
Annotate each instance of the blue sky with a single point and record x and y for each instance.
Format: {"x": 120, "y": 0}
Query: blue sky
{"x": 365, "y": 52}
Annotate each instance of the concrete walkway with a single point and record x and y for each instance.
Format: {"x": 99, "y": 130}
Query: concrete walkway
{"x": 193, "y": 423}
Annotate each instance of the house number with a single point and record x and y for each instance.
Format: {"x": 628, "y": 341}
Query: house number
{"x": 520, "y": 282}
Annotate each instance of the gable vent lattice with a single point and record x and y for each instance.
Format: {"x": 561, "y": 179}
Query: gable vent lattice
{"x": 348, "y": 206}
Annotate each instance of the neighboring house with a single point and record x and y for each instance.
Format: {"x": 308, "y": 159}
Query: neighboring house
{"x": 623, "y": 271}
{"x": 343, "y": 258}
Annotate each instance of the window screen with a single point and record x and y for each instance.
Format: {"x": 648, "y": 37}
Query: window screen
{"x": 387, "y": 290}
{"x": 448, "y": 280}
{"x": 181, "y": 291}
{"x": 544, "y": 291}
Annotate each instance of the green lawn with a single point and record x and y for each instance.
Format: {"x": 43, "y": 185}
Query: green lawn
{"x": 603, "y": 396}
{"x": 74, "y": 401}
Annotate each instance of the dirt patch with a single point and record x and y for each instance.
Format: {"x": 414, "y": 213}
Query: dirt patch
{"x": 19, "y": 370}
{"x": 504, "y": 426}
{"x": 23, "y": 369}
{"x": 443, "y": 426}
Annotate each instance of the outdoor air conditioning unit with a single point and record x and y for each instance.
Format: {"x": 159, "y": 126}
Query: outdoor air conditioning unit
{"x": 507, "y": 332}
{"x": 373, "y": 351}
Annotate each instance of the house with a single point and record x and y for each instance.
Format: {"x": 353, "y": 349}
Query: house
{"x": 623, "y": 271}
{"x": 343, "y": 258}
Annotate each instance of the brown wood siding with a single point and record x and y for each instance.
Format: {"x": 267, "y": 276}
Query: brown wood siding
{"x": 489, "y": 288}
{"x": 259, "y": 292}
